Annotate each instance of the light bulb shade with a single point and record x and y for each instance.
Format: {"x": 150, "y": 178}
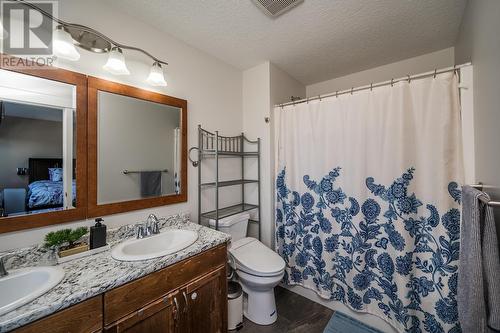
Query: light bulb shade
{"x": 116, "y": 63}
{"x": 63, "y": 46}
{"x": 3, "y": 33}
{"x": 156, "y": 77}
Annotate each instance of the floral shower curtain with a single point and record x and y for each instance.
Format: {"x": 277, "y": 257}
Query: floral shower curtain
{"x": 368, "y": 201}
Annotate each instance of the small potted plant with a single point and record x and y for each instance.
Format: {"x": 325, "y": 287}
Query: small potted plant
{"x": 67, "y": 241}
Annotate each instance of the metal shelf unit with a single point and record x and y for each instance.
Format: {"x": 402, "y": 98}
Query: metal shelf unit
{"x": 213, "y": 145}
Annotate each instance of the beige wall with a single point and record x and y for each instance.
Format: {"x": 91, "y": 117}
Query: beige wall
{"x": 416, "y": 65}
{"x": 212, "y": 88}
{"x": 479, "y": 42}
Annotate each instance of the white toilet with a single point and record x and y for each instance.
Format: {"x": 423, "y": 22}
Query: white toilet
{"x": 259, "y": 269}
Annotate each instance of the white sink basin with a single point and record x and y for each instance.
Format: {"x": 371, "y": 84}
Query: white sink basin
{"x": 22, "y": 286}
{"x": 166, "y": 242}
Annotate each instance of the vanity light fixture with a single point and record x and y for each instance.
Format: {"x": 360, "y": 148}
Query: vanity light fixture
{"x": 62, "y": 43}
{"x": 68, "y": 35}
{"x": 116, "y": 62}
{"x": 156, "y": 77}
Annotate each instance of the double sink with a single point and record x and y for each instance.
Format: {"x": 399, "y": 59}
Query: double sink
{"x": 22, "y": 286}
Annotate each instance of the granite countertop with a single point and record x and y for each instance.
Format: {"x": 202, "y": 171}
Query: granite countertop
{"x": 93, "y": 275}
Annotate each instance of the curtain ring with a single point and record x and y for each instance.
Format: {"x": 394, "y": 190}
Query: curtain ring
{"x": 392, "y": 82}
{"x": 319, "y": 96}
{"x": 352, "y": 88}
{"x": 337, "y": 94}
{"x": 409, "y": 78}
{"x": 371, "y": 86}
{"x": 307, "y": 100}
{"x": 435, "y": 73}
{"x": 455, "y": 70}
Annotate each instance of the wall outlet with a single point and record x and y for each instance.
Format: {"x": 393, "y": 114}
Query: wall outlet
{"x": 22, "y": 171}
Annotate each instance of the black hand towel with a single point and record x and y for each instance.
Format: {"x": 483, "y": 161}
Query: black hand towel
{"x": 150, "y": 183}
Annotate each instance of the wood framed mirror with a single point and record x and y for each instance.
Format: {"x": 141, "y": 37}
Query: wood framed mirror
{"x": 43, "y": 145}
{"x": 137, "y": 148}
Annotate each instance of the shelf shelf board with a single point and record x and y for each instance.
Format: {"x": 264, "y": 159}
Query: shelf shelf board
{"x": 230, "y": 182}
{"x": 229, "y": 211}
{"x": 230, "y": 153}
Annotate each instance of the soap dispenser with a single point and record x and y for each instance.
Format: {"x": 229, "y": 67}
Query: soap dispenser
{"x": 98, "y": 234}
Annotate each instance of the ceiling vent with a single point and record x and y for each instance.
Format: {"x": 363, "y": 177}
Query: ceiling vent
{"x": 274, "y": 8}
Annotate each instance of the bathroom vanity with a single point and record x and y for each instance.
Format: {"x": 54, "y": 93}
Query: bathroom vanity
{"x": 181, "y": 292}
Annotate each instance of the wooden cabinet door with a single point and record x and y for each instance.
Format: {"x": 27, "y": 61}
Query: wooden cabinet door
{"x": 160, "y": 316}
{"x": 205, "y": 304}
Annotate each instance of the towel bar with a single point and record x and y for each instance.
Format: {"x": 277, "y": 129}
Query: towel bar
{"x": 126, "y": 172}
{"x": 484, "y": 199}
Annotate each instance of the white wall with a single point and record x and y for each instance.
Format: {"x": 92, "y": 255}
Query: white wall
{"x": 479, "y": 42}
{"x": 424, "y": 63}
{"x": 264, "y": 86}
{"x": 212, "y": 88}
{"x": 283, "y": 86}
{"x": 24, "y": 138}
{"x": 256, "y": 101}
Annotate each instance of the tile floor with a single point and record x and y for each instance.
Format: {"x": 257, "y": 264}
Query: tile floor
{"x": 296, "y": 314}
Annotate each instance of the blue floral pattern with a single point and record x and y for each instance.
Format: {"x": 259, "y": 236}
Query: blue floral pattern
{"x": 356, "y": 253}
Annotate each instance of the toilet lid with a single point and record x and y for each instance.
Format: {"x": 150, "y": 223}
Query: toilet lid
{"x": 255, "y": 258}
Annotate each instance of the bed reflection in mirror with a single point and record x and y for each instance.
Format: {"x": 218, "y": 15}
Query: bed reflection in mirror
{"x": 138, "y": 149}
{"x": 37, "y": 145}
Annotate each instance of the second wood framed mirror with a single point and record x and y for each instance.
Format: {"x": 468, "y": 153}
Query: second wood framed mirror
{"x": 137, "y": 148}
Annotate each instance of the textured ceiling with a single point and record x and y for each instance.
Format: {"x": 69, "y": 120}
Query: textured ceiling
{"x": 316, "y": 41}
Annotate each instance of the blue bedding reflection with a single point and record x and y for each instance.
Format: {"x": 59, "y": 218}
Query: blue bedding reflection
{"x": 44, "y": 193}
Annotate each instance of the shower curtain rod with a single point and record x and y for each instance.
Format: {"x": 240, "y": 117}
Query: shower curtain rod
{"x": 391, "y": 82}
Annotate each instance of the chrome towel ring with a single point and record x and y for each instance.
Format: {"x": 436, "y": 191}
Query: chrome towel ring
{"x": 194, "y": 163}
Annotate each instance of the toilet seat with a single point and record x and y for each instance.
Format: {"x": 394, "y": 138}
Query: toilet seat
{"x": 253, "y": 257}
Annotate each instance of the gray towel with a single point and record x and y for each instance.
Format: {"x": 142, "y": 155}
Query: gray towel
{"x": 150, "y": 183}
{"x": 479, "y": 270}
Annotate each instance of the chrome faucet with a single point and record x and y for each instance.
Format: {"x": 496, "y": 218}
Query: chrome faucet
{"x": 153, "y": 224}
{"x": 3, "y": 271}
{"x": 139, "y": 230}
{"x": 151, "y": 227}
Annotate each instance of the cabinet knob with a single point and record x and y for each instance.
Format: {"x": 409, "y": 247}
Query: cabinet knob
{"x": 194, "y": 296}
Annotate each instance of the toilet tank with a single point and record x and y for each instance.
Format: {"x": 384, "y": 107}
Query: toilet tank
{"x": 235, "y": 225}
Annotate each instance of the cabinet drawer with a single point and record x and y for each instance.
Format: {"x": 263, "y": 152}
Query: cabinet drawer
{"x": 83, "y": 317}
{"x": 128, "y": 298}
{"x": 158, "y": 316}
